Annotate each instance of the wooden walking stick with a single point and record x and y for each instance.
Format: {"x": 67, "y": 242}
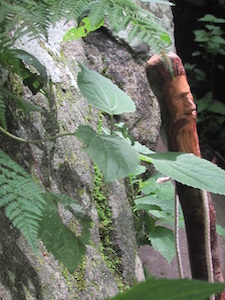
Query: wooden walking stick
{"x": 167, "y": 78}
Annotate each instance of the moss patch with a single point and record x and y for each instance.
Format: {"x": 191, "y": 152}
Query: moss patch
{"x": 108, "y": 251}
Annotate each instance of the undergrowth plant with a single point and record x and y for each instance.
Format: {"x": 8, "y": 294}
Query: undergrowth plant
{"x": 33, "y": 19}
{"x": 211, "y": 111}
{"x": 33, "y": 210}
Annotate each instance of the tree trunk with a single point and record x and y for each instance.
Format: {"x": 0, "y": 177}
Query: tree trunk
{"x": 167, "y": 78}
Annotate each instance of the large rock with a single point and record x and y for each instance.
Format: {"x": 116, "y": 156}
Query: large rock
{"x": 66, "y": 169}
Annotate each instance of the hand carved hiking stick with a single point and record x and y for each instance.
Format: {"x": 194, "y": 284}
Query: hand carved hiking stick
{"x": 167, "y": 78}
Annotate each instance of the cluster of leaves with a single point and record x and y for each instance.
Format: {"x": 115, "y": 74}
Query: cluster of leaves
{"x": 36, "y": 215}
{"x": 155, "y": 202}
{"x": 119, "y": 156}
{"x": 32, "y": 18}
{"x": 122, "y": 15}
{"x": 211, "y": 111}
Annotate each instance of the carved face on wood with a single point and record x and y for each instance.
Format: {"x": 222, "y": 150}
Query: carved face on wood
{"x": 182, "y": 110}
{"x": 180, "y": 100}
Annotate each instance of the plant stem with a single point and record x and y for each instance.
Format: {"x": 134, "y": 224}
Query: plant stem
{"x": 50, "y": 138}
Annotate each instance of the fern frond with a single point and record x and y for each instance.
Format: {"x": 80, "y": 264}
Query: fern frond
{"x": 2, "y": 112}
{"x": 141, "y": 24}
{"x": 77, "y": 8}
{"x": 34, "y": 17}
{"x": 22, "y": 199}
{"x": 26, "y": 16}
{"x": 98, "y": 10}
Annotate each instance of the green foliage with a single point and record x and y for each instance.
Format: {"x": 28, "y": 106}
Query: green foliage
{"x": 99, "y": 195}
{"x": 156, "y": 203}
{"x": 66, "y": 245}
{"x": 162, "y": 239}
{"x": 30, "y": 17}
{"x": 22, "y": 199}
{"x": 211, "y": 111}
{"x": 16, "y": 60}
{"x": 190, "y": 170}
{"x": 126, "y": 15}
{"x": 161, "y": 289}
{"x": 118, "y": 158}
{"x": 220, "y": 230}
{"x": 34, "y": 18}
{"x": 102, "y": 93}
{"x": 36, "y": 213}
{"x": 142, "y": 24}
{"x": 83, "y": 30}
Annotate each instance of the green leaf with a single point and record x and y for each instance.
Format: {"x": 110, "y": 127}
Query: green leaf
{"x": 114, "y": 156}
{"x": 34, "y": 62}
{"x": 66, "y": 246}
{"x": 217, "y": 107}
{"x": 142, "y": 149}
{"x": 17, "y": 61}
{"x": 102, "y": 93}
{"x": 22, "y": 199}
{"x": 220, "y": 230}
{"x": 218, "y": 39}
{"x": 211, "y": 19}
{"x": 151, "y": 202}
{"x": 82, "y": 30}
{"x": 171, "y": 289}
{"x": 191, "y": 170}
{"x": 162, "y": 240}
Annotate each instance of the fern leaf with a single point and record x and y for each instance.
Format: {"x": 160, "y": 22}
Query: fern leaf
{"x": 77, "y": 9}
{"x": 97, "y": 11}
{"x": 142, "y": 24}
{"x": 2, "y": 112}
{"x": 21, "y": 196}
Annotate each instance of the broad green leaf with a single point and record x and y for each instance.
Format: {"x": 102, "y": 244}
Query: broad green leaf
{"x": 142, "y": 149}
{"x": 218, "y": 39}
{"x": 139, "y": 170}
{"x": 217, "y": 107}
{"x": 162, "y": 240}
{"x": 17, "y": 60}
{"x": 163, "y": 191}
{"x": 211, "y": 19}
{"x": 103, "y": 93}
{"x": 220, "y": 230}
{"x": 114, "y": 156}
{"x": 191, "y": 170}
{"x": 171, "y": 289}
{"x": 34, "y": 62}
{"x": 151, "y": 202}
{"x": 67, "y": 246}
{"x": 82, "y": 30}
